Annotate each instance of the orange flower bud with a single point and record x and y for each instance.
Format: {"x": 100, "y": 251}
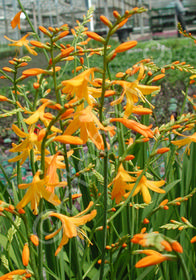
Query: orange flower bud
{"x": 108, "y": 247}
{"x": 12, "y": 62}
{"x": 21, "y": 211}
{"x": 158, "y": 77}
{"x": 73, "y": 32}
{"x": 33, "y": 72}
{"x": 125, "y": 46}
{"x": 11, "y": 207}
{"x": 163, "y": 150}
{"x": 76, "y": 195}
{"x": 146, "y": 221}
{"x": 176, "y": 126}
{"x": 116, "y": 14}
{"x": 8, "y": 69}
{"x": 99, "y": 261}
{"x": 3, "y": 98}
{"x": 45, "y": 31}
{"x": 145, "y": 139}
{"x": 177, "y": 247}
{"x": 113, "y": 209}
{"x": 129, "y": 157}
{"x": 34, "y": 239}
{"x": 23, "y": 64}
{"x": 25, "y": 255}
{"x": 180, "y": 228}
{"x": 163, "y": 70}
{"x": 124, "y": 245}
{"x": 166, "y": 245}
{"x": 36, "y": 85}
{"x": 109, "y": 93}
{"x": 184, "y": 220}
{"x": 165, "y": 207}
{"x": 106, "y": 21}
{"x": 149, "y": 73}
{"x": 67, "y": 113}
{"x": 95, "y": 36}
{"x": 61, "y": 35}
{"x": 143, "y": 230}
{"x": 41, "y": 134}
{"x": 193, "y": 240}
{"x": 121, "y": 23}
{"x": 66, "y": 52}
{"x": 39, "y": 45}
{"x": 176, "y": 62}
{"x": 82, "y": 60}
{"x": 51, "y": 29}
{"x": 77, "y": 69}
{"x": 69, "y": 139}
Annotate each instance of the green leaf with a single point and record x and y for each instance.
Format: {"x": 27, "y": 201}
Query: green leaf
{"x": 3, "y": 243}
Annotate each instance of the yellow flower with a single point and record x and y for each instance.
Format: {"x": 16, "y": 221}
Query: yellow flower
{"x": 120, "y": 184}
{"x": 31, "y": 142}
{"x": 39, "y": 114}
{"x": 16, "y": 20}
{"x": 186, "y": 141}
{"x": 22, "y": 42}
{"x": 79, "y": 85}
{"x": 144, "y": 185}
{"x": 133, "y": 90}
{"x": 70, "y": 225}
{"x": 36, "y": 191}
{"x": 153, "y": 257}
{"x": 89, "y": 126}
{"x": 52, "y": 163}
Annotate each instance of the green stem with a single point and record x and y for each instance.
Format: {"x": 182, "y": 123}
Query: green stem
{"x": 32, "y": 255}
{"x": 183, "y": 266}
{"x": 40, "y": 248}
{"x": 58, "y": 99}
{"x": 105, "y": 165}
{"x": 32, "y": 27}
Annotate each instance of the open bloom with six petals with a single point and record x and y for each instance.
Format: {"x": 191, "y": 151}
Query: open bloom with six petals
{"x": 133, "y": 91}
{"x": 120, "y": 184}
{"x": 186, "y": 141}
{"x": 89, "y": 126}
{"x": 31, "y": 142}
{"x": 70, "y": 225}
{"x": 144, "y": 185}
{"x": 36, "y": 191}
{"x": 22, "y": 42}
{"x": 39, "y": 114}
{"x": 52, "y": 163}
{"x": 78, "y": 85}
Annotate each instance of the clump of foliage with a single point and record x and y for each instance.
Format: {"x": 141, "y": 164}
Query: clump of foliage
{"x": 112, "y": 194}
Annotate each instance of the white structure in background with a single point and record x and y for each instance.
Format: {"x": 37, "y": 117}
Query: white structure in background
{"x": 58, "y": 12}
